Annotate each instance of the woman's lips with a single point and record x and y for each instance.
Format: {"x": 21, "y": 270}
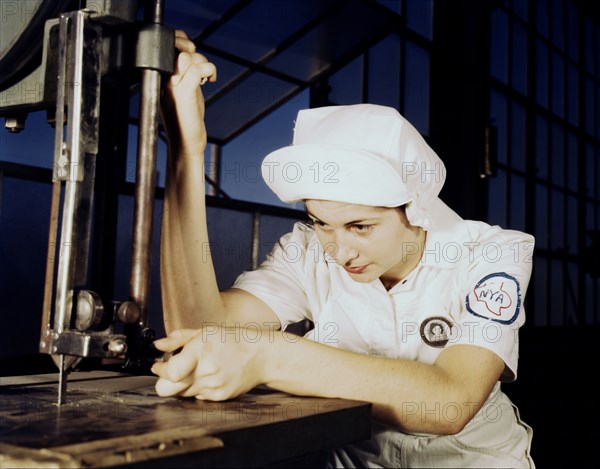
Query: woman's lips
{"x": 356, "y": 270}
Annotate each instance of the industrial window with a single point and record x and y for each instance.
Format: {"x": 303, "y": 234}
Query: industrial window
{"x": 393, "y": 72}
{"x": 544, "y": 103}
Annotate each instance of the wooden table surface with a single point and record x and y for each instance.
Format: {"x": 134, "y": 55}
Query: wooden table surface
{"x": 115, "y": 419}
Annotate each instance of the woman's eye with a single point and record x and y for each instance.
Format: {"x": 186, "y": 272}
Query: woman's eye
{"x": 362, "y": 228}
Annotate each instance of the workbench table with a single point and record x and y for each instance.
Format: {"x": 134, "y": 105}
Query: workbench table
{"x": 115, "y": 419}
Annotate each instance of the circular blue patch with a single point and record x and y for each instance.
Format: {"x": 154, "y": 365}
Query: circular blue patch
{"x": 497, "y": 297}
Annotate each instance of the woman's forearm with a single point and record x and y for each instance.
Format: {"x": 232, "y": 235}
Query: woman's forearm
{"x": 189, "y": 287}
{"x": 188, "y": 284}
{"x": 441, "y": 398}
{"x": 410, "y": 395}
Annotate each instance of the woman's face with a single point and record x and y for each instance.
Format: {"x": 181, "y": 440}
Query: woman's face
{"x": 368, "y": 242}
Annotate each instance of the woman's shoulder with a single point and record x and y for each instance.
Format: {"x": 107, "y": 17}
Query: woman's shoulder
{"x": 479, "y": 231}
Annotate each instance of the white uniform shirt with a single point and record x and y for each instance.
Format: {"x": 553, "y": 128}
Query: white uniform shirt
{"x": 468, "y": 289}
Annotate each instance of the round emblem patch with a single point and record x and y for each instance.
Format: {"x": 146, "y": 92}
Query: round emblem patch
{"x": 497, "y": 297}
{"x": 435, "y": 331}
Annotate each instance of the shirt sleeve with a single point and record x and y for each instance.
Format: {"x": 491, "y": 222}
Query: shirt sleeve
{"x": 280, "y": 280}
{"x": 493, "y": 286}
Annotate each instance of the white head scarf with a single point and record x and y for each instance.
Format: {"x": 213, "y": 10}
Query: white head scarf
{"x": 361, "y": 154}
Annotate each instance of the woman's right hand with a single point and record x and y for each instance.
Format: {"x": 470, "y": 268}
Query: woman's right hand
{"x": 183, "y": 102}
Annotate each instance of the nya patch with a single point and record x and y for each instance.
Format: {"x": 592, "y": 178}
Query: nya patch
{"x": 497, "y": 297}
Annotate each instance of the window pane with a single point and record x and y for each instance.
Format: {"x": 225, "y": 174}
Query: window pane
{"x": 384, "y": 72}
{"x": 271, "y": 229}
{"x": 230, "y": 112}
{"x": 520, "y": 7}
{"x": 541, "y": 147}
{"x": 24, "y": 217}
{"x": 558, "y": 84}
{"x": 597, "y": 181}
{"x": 597, "y": 48}
{"x": 598, "y": 108}
{"x": 193, "y": 16}
{"x": 33, "y": 146}
{"x": 498, "y": 114}
{"x": 416, "y": 97}
{"x": 518, "y": 125}
{"x": 541, "y": 10}
{"x": 590, "y": 171}
{"x": 420, "y": 17}
{"x": 558, "y": 155}
{"x": 346, "y": 84}
{"x": 541, "y": 216}
{"x": 228, "y": 72}
{"x": 573, "y": 30}
{"x": 253, "y": 31}
{"x": 499, "y": 46}
{"x": 517, "y": 203}
{"x": 497, "y": 200}
{"x": 571, "y": 225}
{"x": 241, "y": 158}
{"x": 572, "y": 94}
{"x": 590, "y": 217}
{"x": 590, "y": 112}
{"x": 572, "y": 161}
{"x": 230, "y": 232}
{"x": 557, "y": 220}
{"x": 520, "y": 58}
{"x": 542, "y": 75}
{"x": 394, "y": 5}
{"x": 591, "y": 48}
{"x": 557, "y": 19}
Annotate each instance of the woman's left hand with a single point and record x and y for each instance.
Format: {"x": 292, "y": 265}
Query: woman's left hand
{"x": 216, "y": 362}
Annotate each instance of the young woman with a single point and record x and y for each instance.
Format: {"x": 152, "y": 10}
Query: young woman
{"x": 415, "y": 309}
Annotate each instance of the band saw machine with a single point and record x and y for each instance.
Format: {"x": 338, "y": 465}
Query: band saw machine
{"x": 80, "y": 48}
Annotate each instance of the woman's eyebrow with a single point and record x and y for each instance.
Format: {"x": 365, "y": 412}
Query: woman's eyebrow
{"x": 310, "y": 215}
{"x": 360, "y": 222}
{"x": 353, "y": 222}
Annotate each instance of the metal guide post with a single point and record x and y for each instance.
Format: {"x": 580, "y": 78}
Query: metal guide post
{"x": 154, "y": 55}
{"x": 78, "y": 88}
{"x": 146, "y": 158}
{"x": 144, "y": 192}
{"x": 69, "y": 159}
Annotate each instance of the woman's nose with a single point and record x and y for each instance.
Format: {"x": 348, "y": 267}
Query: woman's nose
{"x": 344, "y": 250}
